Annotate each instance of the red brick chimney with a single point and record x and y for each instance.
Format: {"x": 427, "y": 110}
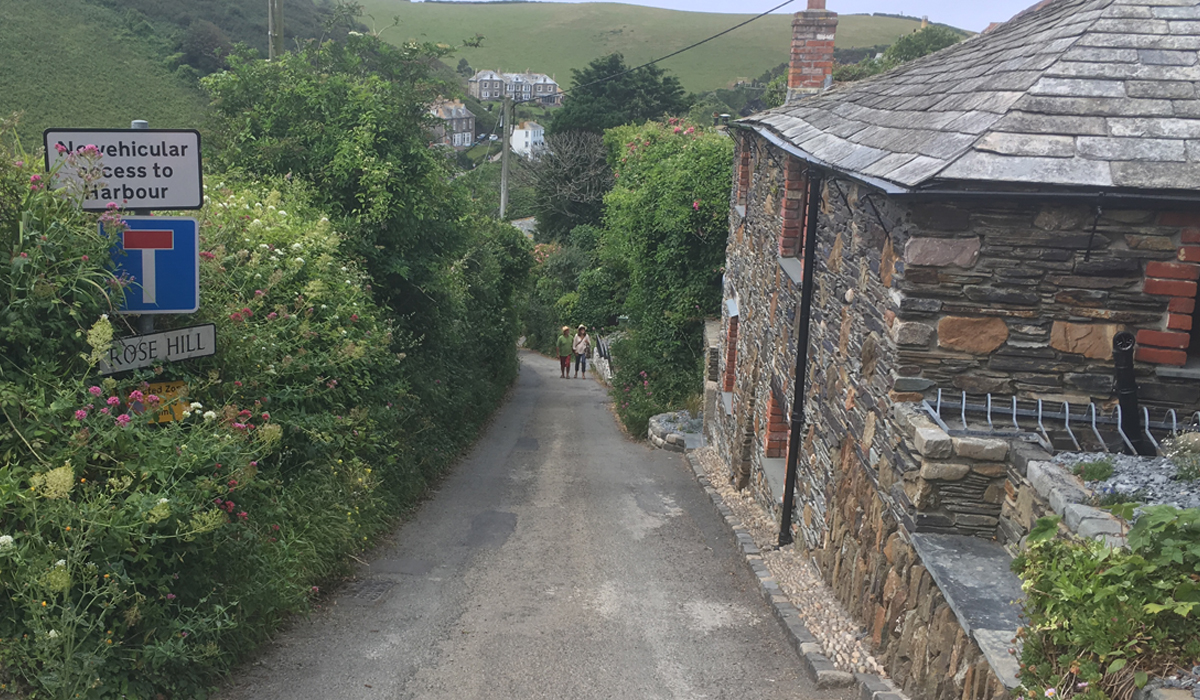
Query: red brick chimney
{"x": 813, "y": 31}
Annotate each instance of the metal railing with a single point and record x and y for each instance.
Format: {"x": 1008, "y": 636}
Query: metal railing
{"x": 1062, "y": 418}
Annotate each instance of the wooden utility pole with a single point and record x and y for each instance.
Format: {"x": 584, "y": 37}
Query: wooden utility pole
{"x": 504, "y": 144}
{"x": 274, "y": 28}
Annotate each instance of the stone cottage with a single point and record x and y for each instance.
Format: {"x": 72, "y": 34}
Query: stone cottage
{"x": 984, "y": 220}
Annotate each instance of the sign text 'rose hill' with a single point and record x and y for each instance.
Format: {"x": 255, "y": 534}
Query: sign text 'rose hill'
{"x": 169, "y": 346}
{"x": 139, "y": 168}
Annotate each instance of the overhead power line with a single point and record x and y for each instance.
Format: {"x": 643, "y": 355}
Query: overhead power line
{"x": 670, "y": 55}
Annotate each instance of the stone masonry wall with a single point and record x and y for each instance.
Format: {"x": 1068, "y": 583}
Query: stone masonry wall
{"x": 878, "y": 575}
{"x": 1011, "y": 298}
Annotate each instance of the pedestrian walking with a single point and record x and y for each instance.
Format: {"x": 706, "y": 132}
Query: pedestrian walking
{"x": 582, "y": 345}
{"x": 563, "y": 342}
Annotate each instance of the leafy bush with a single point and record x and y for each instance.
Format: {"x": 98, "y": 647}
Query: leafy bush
{"x": 667, "y": 223}
{"x": 1101, "y": 621}
{"x": 140, "y": 557}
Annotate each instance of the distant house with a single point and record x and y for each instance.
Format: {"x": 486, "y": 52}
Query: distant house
{"x": 490, "y": 85}
{"x": 528, "y": 139}
{"x": 458, "y": 128}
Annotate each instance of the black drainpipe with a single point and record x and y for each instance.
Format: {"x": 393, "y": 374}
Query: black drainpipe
{"x": 806, "y": 293}
{"x": 1131, "y": 417}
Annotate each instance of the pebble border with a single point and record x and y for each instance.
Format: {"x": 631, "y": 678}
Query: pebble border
{"x": 819, "y": 669}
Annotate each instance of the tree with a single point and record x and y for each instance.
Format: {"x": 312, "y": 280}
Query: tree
{"x": 908, "y": 48}
{"x": 569, "y": 181}
{"x": 464, "y": 69}
{"x": 205, "y": 46}
{"x": 604, "y": 95}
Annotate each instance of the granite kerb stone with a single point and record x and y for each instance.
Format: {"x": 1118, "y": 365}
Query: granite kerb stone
{"x": 820, "y": 670}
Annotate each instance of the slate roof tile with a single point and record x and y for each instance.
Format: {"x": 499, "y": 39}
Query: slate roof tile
{"x": 1076, "y": 93}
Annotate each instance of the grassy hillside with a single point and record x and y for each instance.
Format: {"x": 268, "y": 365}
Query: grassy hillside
{"x": 553, "y": 38}
{"x": 70, "y": 64}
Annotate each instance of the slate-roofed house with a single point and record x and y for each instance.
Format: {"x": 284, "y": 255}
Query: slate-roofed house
{"x": 458, "y": 123}
{"x": 490, "y": 85}
{"x": 984, "y": 220}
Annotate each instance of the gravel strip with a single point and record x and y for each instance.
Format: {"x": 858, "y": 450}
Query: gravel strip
{"x": 1151, "y": 480}
{"x": 842, "y": 639}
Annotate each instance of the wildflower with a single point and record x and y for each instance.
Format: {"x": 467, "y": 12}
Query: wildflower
{"x": 80, "y": 414}
{"x": 170, "y": 596}
{"x": 265, "y": 416}
{"x": 272, "y": 316}
{"x": 136, "y": 395}
{"x": 104, "y": 411}
{"x": 210, "y": 415}
{"x": 259, "y": 292}
{"x": 84, "y": 258}
{"x": 316, "y": 590}
{"x": 112, "y": 401}
{"x": 123, "y": 420}
{"x": 243, "y": 516}
{"x": 60, "y": 148}
{"x": 196, "y": 406}
{"x": 696, "y": 205}
{"x": 152, "y": 399}
{"x": 235, "y": 317}
{"x": 1051, "y": 692}
{"x": 52, "y": 634}
{"x": 207, "y": 255}
{"x": 6, "y": 542}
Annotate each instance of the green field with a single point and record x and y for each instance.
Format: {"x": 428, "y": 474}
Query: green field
{"x": 554, "y": 38}
{"x": 69, "y": 64}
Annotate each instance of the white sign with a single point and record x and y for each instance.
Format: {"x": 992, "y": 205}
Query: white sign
{"x": 139, "y": 168}
{"x": 169, "y": 346}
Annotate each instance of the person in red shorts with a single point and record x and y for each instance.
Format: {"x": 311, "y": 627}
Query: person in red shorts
{"x": 563, "y": 342}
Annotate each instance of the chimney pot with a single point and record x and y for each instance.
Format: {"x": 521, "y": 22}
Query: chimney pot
{"x": 816, "y": 4}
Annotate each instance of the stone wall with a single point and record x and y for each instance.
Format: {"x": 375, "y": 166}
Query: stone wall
{"x": 1012, "y": 298}
{"x": 877, "y": 574}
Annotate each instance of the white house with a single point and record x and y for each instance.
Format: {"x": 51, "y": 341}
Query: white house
{"x": 528, "y": 139}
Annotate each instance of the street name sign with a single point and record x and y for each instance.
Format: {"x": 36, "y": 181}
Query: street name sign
{"x": 168, "y": 346}
{"x": 139, "y": 168}
{"x": 161, "y": 257}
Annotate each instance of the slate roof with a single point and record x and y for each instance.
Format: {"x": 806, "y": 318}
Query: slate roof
{"x": 1094, "y": 94}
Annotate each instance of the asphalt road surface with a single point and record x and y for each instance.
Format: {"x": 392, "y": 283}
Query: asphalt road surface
{"x": 560, "y": 560}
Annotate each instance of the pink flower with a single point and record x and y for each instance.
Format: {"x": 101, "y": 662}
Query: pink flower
{"x": 316, "y": 590}
{"x": 239, "y": 426}
{"x": 244, "y": 515}
{"x": 136, "y": 395}
{"x": 170, "y": 596}
{"x": 111, "y": 205}
{"x": 248, "y": 313}
{"x": 84, "y": 258}
{"x": 123, "y": 420}
{"x": 272, "y": 316}
{"x": 677, "y": 130}
{"x": 259, "y": 292}
{"x": 104, "y": 411}
{"x": 95, "y": 390}
{"x": 696, "y": 205}
{"x": 207, "y": 255}
{"x": 112, "y": 401}
{"x": 80, "y": 414}
{"x": 35, "y": 178}
{"x": 60, "y": 148}
{"x": 152, "y": 399}
{"x": 235, "y": 317}
{"x": 266, "y": 416}
{"x": 237, "y": 383}
{"x": 24, "y": 255}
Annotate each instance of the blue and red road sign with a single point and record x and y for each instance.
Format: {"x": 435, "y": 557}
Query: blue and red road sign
{"x": 161, "y": 255}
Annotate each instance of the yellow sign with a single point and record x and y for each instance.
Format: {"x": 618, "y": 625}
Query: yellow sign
{"x": 172, "y": 397}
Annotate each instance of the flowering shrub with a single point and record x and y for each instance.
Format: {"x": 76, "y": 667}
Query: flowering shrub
{"x": 668, "y": 217}
{"x": 140, "y": 557}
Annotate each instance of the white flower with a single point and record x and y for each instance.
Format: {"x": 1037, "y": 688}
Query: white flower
{"x": 297, "y": 246}
{"x": 263, "y": 245}
{"x": 256, "y": 223}
{"x": 345, "y": 269}
{"x": 282, "y": 212}
{"x": 324, "y": 307}
{"x": 209, "y": 415}
{"x": 163, "y": 500}
{"x": 300, "y": 260}
{"x": 6, "y": 542}
{"x": 196, "y": 406}
{"x": 103, "y": 317}
{"x": 186, "y": 414}
{"x": 52, "y": 634}
{"x": 61, "y": 562}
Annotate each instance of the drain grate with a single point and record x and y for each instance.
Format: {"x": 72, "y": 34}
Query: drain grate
{"x": 370, "y": 590}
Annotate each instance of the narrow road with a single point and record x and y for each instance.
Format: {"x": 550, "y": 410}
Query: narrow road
{"x": 560, "y": 560}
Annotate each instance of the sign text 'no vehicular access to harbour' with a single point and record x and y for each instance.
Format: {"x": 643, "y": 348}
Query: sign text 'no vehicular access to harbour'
{"x": 138, "y": 168}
